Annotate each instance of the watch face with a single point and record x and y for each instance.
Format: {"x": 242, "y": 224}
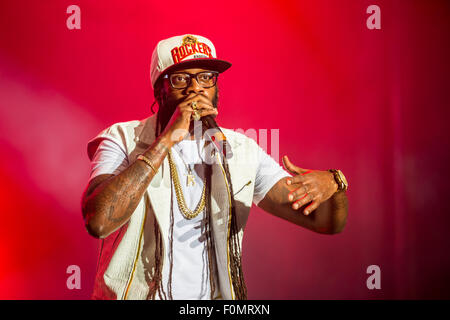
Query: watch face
{"x": 341, "y": 175}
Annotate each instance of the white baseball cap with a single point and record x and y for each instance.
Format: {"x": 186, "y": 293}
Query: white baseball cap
{"x": 186, "y": 51}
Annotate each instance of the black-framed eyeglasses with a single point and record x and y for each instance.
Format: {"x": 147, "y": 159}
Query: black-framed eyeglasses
{"x": 181, "y": 80}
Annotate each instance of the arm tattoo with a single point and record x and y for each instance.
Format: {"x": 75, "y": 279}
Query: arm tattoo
{"x": 112, "y": 203}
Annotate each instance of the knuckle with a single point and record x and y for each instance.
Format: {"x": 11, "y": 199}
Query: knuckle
{"x": 205, "y": 99}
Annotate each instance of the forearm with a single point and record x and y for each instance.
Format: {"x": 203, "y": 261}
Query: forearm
{"x": 112, "y": 203}
{"x": 276, "y": 202}
{"x": 331, "y": 215}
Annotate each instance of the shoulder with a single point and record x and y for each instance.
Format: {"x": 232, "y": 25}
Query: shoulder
{"x": 246, "y": 151}
{"x": 121, "y": 128}
{"x": 120, "y": 133}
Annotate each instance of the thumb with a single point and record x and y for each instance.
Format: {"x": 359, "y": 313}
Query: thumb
{"x": 291, "y": 167}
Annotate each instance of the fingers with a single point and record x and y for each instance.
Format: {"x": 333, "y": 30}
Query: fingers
{"x": 293, "y": 168}
{"x": 199, "y": 99}
{"x": 303, "y": 200}
{"x": 312, "y": 187}
{"x": 297, "y": 193}
{"x": 289, "y": 165}
{"x": 302, "y": 196}
{"x": 299, "y": 179}
{"x": 205, "y": 112}
{"x": 313, "y": 206}
{"x": 202, "y": 110}
{"x": 180, "y": 121}
{"x": 203, "y": 105}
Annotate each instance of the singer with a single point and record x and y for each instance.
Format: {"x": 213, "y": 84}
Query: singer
{"x": 169, "y": 195}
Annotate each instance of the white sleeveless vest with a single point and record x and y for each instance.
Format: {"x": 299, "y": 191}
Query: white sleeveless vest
{"x": 126, "y": 264}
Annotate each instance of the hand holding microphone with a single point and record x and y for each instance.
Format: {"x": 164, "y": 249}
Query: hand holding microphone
{"x": 197, "y": 107}
{"x": 213, "y": 132}
{"x": 178, "y": 126}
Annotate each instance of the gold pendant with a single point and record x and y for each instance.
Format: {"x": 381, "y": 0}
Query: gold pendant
{"x": 190, "y": 179}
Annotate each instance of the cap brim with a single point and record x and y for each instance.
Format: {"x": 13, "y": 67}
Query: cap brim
{"x": 206, "y": 63}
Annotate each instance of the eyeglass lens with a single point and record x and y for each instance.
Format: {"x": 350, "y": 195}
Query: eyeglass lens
{"x": 204, "y": 79}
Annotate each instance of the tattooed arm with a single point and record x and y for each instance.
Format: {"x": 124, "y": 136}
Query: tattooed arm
{"x": 109, "y": 200}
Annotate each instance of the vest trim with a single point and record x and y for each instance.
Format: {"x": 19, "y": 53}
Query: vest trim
{"x": 130, "y": 279}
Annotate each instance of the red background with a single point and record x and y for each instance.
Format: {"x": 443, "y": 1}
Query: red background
{"x": 373, "y": 103}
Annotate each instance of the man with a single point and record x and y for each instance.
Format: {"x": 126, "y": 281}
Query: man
{"x": 170, "y": 206}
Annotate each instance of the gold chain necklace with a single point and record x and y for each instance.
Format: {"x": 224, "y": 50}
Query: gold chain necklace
{"x": 187, "y": 213}
{"x": 190, "y": 177}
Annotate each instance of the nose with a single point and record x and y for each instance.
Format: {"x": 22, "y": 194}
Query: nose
{"x": 194, "y": 87}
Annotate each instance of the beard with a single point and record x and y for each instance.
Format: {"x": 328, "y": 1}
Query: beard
{"x": 169, "y": 104}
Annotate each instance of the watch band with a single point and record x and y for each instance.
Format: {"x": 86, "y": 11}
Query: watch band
{"x": 340, "y": 179}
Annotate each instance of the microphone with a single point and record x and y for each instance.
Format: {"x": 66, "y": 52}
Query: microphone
{"x": 216, "y": 136}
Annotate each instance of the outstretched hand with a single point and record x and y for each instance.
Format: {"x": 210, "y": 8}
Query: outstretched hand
{"x": 312, "y": 186}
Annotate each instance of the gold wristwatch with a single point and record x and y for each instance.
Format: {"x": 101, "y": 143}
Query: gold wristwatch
{"x": 340, "y": 179}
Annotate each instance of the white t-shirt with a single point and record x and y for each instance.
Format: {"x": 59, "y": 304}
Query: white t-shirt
{"x": 190, "y": 274}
